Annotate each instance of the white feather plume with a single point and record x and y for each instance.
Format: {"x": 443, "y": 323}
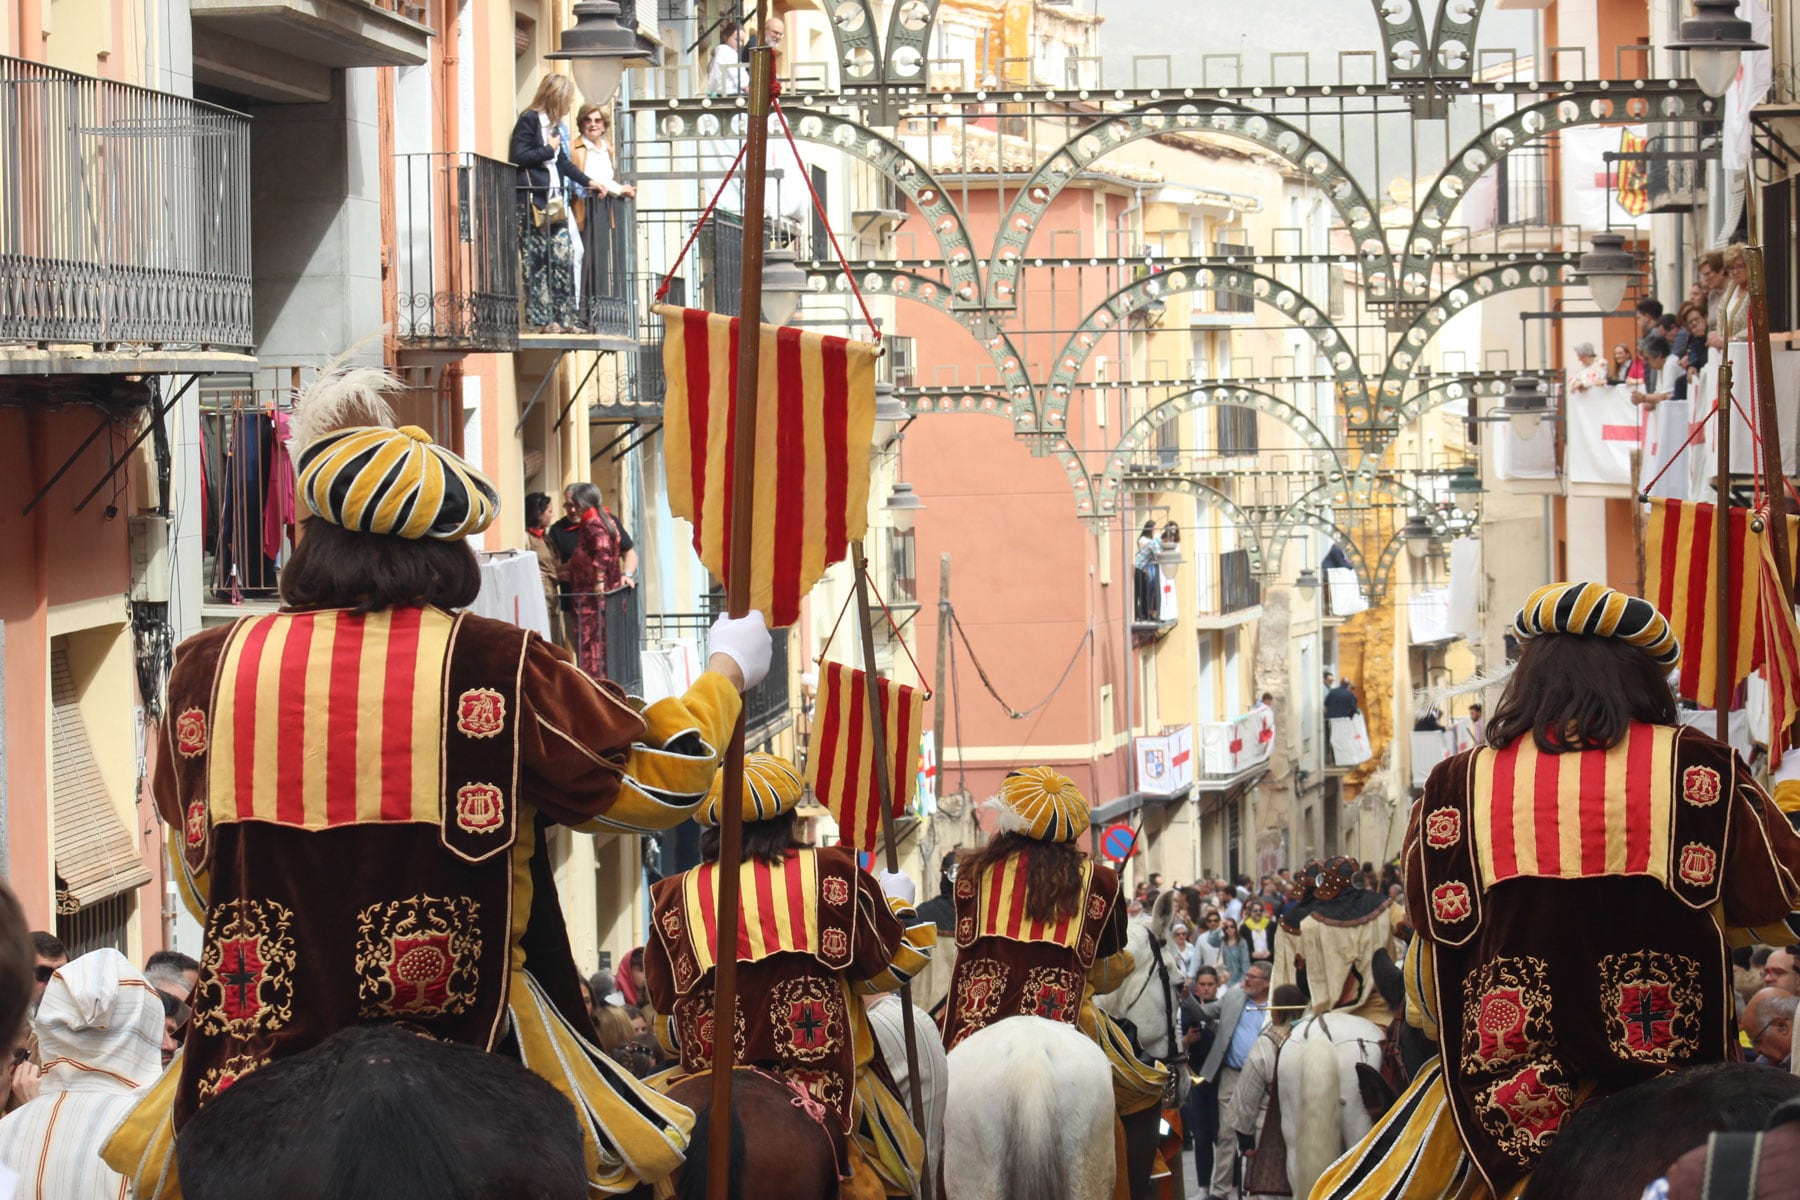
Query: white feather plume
{"x": 342, "y": 395}
{"x": 1426, "y": 699}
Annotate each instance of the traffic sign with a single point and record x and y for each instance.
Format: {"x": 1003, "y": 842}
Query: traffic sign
{"x": 1117, "y": 842}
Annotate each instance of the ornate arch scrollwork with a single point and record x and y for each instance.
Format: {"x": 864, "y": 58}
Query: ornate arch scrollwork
{"x": 1243, "y": 281}
{"x": 1361, "y": 488}
{"x": 1340, "y": 537}
{"x": 1545, "y": 269}
{"x": 1212, "y": 495}
{"x": 858, "y": 47}
{"x": 909, "y": 40}
{"x": 1221, "y": 395}
{"x": 1465, "y": 387}
{"x": 1064, "y": 164}
{"x": 1633, "y": 100}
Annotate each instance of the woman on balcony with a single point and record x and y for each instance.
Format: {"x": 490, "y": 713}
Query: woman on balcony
{"x": 547, "y": 180}
{"x": 598, "y": 221}
{"x": 599, "y": 558}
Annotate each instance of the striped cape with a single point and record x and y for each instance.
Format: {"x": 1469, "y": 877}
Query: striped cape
{"x": 841, "y": 766}
{"x": 815, "y": 417}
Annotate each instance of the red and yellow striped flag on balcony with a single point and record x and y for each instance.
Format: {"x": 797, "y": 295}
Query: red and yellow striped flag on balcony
{"x": 1634, "y": 175}
{"x": 841, "y": 766}
{"x": 815, "y": 415}
{"x": 1778, "y": 648}
{"x": 1679, "y": 569}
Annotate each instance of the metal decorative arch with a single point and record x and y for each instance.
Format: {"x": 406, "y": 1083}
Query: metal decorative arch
{"x": 908, "y": 39}
{"x": 858, "y": 49}
{"x": 1384, "y": 564}
{"x": 973, "y": 400}
{"x": 934, "y": 293}
{"x": 1636, "y": 100}
{"x": 694, "y": 120}
{"x": 1243, "y": 281}
{"x": 1448, "y": 53}
{"x": 1064, "y": 164}
{"x": 1359, "y": 487}
{"x": 1212, "y": 495}
{"x": 1465, "y": 387}
{"x": 1220, "y": 395}
{"x": 1542, "y": 269}
{"x": 1317, "y": 519}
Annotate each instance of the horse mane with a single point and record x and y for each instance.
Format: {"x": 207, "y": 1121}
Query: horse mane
{"x": 1052, "y": 873}
{"x": 1162, "y": 915}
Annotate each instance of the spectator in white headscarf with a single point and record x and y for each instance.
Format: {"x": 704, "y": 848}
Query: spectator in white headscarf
{"x": 100, "y": 1030}
{"x": 1590, "y": 374}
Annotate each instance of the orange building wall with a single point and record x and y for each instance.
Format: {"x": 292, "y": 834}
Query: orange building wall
{"x": 24, "y": 448}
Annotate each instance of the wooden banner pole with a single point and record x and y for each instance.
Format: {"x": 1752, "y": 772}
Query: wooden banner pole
{"x": 737, "y": 603}
{"x": 1722, "y": 562}
{"x": 884, "y": 794}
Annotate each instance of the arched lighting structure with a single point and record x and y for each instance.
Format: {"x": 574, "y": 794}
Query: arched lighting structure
{"x": 1111, "y": 312}
{"x": 983, "y": 403}
{"x": 715, "y": 117}
{"x": 1322, "y": 521}
{"x": 1363, "y": 488}
{"x": 1229, "y": 117}
{"x": 1235, "y": 513}
{"x": 1449, "y": 53}
{"x": 1219, "y": 395}
{"x": 867, "y": 61}
{"x": 1542, "y": 269}
{"x": 1602, "y": 103}
{"x": 1469, "y": 386}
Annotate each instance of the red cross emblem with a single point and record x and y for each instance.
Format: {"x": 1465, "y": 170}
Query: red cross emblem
{"x": 1237, "y": 745}
{"x": 1700, "y": 786}
{"x": 420, "y": 970}
{"x": 1051, "y": 1002}
{"x": 241, "y": 968}
{"x": 1534, "y": 1106}
{"x": 190, "y": 733}
{"x": 1450, "y": 902}
{"x": 1501, "y": 1025}
{"x": 480, "y": 712}
{"x": 1443, "y": 827}
{"x": 1698, "y": 863}
{"x": 196, "y": 822}
{"x": 811, "y": 1025}
{"x": 480, "y": 808}
{"x": 1648, "y": 1011}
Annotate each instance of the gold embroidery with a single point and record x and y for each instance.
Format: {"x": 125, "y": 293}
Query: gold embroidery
{"x": 246, "y": 970}
{"x": 418, "y": 957}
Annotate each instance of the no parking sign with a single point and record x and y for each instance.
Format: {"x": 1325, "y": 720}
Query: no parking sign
{"x": 1118, "y": 842}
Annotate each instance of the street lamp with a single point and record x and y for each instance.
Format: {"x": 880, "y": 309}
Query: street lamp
{"x": 890, "y": 411}
{"x": 1607, "y": 269}
{"x": 1525, "y": 405}
{"x": 1715, "y": 39}
{"x": 598, "y": 48}
{"x": 783, "y": 283}
{"x": 1465, "y": 481}
{"x": 1419, "y": 537}
{"x": 902, "y": 506}
{"x": 1308, "y": 581}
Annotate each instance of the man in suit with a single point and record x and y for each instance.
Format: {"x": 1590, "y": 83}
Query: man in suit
{"x": 1241, "y": 1014}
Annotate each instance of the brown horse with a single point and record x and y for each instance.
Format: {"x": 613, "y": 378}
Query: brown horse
{"x": 777, "y": 1148}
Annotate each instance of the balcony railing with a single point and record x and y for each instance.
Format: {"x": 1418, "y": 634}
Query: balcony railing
{"x": 457, "y": 252}
{"x": 622, "y": 637}
{"x": 769, "y": 706}
{"x": 125, "y": 215}
{"x": 606, "y": 259}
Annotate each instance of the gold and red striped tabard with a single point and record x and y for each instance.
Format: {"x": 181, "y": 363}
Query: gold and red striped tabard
{"x": 1000, "y": 907}
{"x": 331, "y": 718}
{"x": 1571, "y": 816}
{"x": 815, "y": 415}
{"x": 777, "y": 909}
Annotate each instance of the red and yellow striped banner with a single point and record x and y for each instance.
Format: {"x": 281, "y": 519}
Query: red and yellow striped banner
{"x": 1679, "y": 580}
{"x": 815, "y": 415}
{"x": 331, "y": 718}
{"x": 1575, "y": 815}
{"x": 1778, "y": 649}
{"x": 841, "y": 767}
{"x": 1634, "y": 175}
{"x": 1000, "y": 906}
{"x": 777, "y": 906}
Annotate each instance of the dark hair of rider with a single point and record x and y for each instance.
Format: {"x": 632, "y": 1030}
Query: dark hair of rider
{"x": 768, "y": 840}
{"x": 1571, "y": 692}
{"x": 1052, "y": 873}
{"x": 333, "y": 567}
{"x": 1286, "y": 1003}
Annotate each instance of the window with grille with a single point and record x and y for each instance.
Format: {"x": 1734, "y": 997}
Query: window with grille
{"x": 1232, "y": 302}
{"x": 1236, "y": 430}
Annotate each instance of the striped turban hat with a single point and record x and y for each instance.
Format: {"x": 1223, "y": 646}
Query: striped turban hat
{"x": 372, "y": 479}
{"x": 772, "y": 787}
{"x": 1043, "y": 804}
{"x": 1595, "y": 610}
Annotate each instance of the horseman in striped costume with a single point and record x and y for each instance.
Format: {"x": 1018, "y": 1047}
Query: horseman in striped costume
{"x": 1040, "y": 930}
{"x": 360, "y": 788}
{"x": 1588, "y": 800}
{"x": 815, "y": 934}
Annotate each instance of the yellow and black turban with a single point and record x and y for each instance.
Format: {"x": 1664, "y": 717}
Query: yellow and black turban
{"x": 1595, "y": 610}
{"x": 771, "y": 787}
{"x": 1043, "y": 804}
{"x": 372, "y": 479}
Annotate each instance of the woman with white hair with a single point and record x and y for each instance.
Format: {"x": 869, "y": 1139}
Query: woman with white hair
{"x": 1590, "y": 374}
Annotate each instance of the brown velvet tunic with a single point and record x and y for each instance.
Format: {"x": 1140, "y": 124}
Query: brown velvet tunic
{"x": 1576, "y": 909}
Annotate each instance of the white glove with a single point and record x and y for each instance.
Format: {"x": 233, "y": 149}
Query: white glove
{"x": 897, "y": 886}
{"x": 744, "y": 640}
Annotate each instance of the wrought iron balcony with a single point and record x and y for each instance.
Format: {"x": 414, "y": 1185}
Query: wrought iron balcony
{"x": 769, "y": 706}
{"x": 126, "y": 215}
{"x": 457, "y": 252}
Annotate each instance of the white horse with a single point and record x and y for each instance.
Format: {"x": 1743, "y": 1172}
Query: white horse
{"x": 1029, "y": 1115}
{"x": 1150, "y": 996}
{"x": 1322, "y": 1109}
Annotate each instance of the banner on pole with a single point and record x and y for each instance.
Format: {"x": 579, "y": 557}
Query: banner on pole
{"x": 841, "y": 765}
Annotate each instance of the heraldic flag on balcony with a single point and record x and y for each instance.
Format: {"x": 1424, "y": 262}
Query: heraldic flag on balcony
{"x": 815, "y": 415}
{"x": 841, "y": 766}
